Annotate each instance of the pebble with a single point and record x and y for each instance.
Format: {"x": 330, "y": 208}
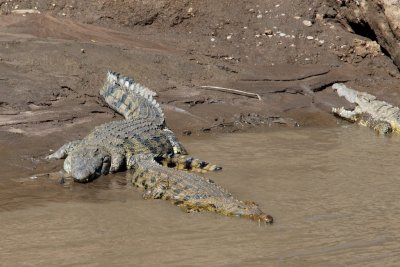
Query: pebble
{"x": 259, "y": 16}
{"x": 228, "y": 37}
{"x": 310, "y": 37}
{"x": 268, "y": 32}
{"x": 307, "y": 23}
{"x": 212, "y": 39}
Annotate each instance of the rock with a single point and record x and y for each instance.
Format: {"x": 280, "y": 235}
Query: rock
{"x": 381, "y": 17}
{"x": 268, "y": 32}
{"x": 307, "y": 23}
{"x": 359, "y": 50}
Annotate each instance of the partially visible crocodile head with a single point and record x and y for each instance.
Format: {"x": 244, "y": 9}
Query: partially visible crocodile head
{"x": 87, "y": 163}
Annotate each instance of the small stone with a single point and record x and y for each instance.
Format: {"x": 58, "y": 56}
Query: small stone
{"x": 310, "y": 37}
{"x": 277, "y": 5}
{"x": 268, "y": 32}
{"x": 319, "y": 17}
{"x": 307, "y": 23}
{"x": 330, "y": 13}
{"x": 190, "y": 10}
{"x": 187, "y": 132}
{"x": 297, "y": 17}
{"x": 321, "y": 41}
{"x": 82, "y": 51}
{"x": 213, "y": 39}
{"x": 228, "y": 37}
{"x": 282, "y": 34}
{"x": 259, "y": 16}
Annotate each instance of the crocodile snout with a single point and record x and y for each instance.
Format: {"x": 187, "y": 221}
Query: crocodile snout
{"x": 86, "y": 164}
{"x": 267, "y": 218}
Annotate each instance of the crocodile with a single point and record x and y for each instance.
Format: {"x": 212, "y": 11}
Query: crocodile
{"x": 379, "y": 115}
{"x": 150, "y": 153}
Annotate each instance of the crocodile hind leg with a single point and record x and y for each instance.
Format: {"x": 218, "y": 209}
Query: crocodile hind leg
{"x": 176, "y": 145}
{"x": 63, "y": 151}
{"x": 185, "y": 162}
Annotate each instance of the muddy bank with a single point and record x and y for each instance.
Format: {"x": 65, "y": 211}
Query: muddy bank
{"x": 54, "y": 56}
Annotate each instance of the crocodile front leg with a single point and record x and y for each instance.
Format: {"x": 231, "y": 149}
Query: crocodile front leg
{"x": 63, "y": 151}
{"x": 365, "y": 119}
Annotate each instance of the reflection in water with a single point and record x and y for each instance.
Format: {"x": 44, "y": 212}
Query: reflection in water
{"x": 333, "y": 193}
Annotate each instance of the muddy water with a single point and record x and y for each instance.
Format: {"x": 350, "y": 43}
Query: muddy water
{"x": 333, "y": 193}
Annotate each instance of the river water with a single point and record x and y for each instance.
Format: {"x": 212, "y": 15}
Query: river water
{"x": 334, "y": 195}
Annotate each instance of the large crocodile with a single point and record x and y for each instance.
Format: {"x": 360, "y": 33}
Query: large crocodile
{"x": 150, "y": 153}
{"x": 376, "y": 114}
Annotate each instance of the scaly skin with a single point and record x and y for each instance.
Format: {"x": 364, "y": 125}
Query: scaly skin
{"x": 378, "y": 115}
{"x": 192, "y": 192}
{"x": 154, "y": 158}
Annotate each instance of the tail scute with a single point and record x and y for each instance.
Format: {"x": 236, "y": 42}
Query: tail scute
{"x": 130, "y": 98}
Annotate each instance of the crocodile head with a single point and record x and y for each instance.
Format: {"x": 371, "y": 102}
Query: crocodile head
{"x": 87, "y": 163}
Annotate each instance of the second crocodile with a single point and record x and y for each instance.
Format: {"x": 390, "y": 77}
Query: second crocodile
{"x": 376, "y": 114}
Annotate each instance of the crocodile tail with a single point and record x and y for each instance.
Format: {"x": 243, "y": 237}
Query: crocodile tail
{"x": 190, "y": 191}
{"x": 131, "y": 99}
